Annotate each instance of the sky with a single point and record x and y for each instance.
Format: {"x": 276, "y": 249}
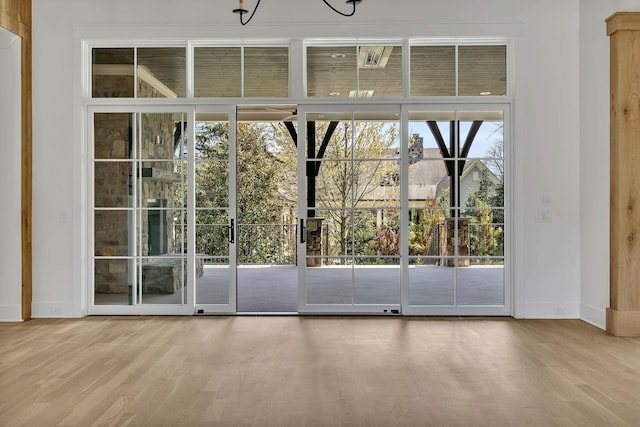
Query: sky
{"x": 489, "y": 133}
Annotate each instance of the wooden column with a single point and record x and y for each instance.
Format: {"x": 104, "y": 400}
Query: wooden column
{"x": 15, "y": 16}
{"x": 623, "y": 315}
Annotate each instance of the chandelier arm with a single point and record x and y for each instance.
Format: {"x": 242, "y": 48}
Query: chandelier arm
{"x": 252, "y": 13}
{"x": 242, "y": 11}
{"x": 342, "y": 13}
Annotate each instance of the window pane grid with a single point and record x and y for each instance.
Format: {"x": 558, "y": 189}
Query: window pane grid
{"x": 348, "y": 71}
{"x": 139, "y": 216}
{"x": 458, "y": 70}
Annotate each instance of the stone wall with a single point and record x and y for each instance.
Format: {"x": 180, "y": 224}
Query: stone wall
{"x": 314, "y": 242}
{"x": 113, "y": 185}
{"x": 108, "y": 86}
{"x": 448, "y": 242}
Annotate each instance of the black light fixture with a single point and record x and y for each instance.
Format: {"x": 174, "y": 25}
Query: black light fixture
{"x": 242, "y": 11}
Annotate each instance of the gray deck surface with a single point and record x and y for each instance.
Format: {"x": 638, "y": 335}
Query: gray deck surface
{"x": 274, "y": 288}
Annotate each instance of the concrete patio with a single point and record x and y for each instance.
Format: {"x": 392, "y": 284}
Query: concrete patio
{"x": 274, "y": 288}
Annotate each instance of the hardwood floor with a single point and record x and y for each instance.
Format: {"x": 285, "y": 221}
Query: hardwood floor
{"x": 309, "y": 371}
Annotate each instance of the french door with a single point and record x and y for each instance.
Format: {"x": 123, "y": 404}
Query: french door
{"x": 163, "y": 210}
{"x": 215, "y": 207}
{"x": 141, "y": 257}
{"x": 245, "y": 225}
{"x": 350, "y": 210}
{"x": 456, "y": 199}
{"x": 400, "y": 208}
{"x": 403, "y": 210}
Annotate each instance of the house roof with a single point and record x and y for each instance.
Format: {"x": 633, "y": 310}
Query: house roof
{"x": 426, "y": 174}
{"x": 428, "y": 178}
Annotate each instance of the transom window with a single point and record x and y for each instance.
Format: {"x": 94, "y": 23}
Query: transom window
{"x": 343, "y": 70}
{"x": 354, "y": 71}
{"x": 458, "y": 70}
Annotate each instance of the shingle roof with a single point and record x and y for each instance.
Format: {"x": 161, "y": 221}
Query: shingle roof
{"x": 428, "y": 177}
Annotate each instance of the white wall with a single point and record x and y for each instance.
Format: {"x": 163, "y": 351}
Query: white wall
{"x": 546, "y": 167}
{"x": 628, "y": 6}
{"x": 594, "y": 154}
{"x": 546, "y": 41}
{"x": 10, "y": 193}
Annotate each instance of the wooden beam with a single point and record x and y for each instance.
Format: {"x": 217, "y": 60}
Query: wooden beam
{"x": 292, "y": 132}
{"x": 325, "y": 143}
{"x": 311, "y": 169}
{"x": 471, "y": 136}
{"x": 622, "y": 21}
{"x": 468, "y": 142}
{"x": 315, "y": 160}
{"x": 623, "y": 314}
{"x": 15, "y": 16}
{"x": 444, "y": 151}
{"x": 448, "y": 154}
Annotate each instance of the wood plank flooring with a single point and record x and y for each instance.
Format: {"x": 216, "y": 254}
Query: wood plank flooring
{"x": 310, "y": 371}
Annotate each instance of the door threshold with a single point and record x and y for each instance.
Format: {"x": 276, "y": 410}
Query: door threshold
{"x": 252, "y": 313}
{"x": 298, "y": 314}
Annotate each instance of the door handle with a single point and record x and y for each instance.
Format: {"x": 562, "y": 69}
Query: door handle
{"x": 303, "y": 231}
{"x": 232, "y": 231}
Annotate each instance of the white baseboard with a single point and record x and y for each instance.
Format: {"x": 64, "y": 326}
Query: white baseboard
{"x": 52, "y": 309}
{"x": 552, "y": 310}
{"x": 594, "y": 315}
{"x": 10, "y": 313}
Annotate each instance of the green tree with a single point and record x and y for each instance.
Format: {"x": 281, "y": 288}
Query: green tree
{"x": 387, "y": 242}
{"x": 485, "y": 237}
{"x": 495, "y": 163}
{"x": 357, "y": 174}
{"x": 260, "y": 200}
{"x": 423, "y": 232}
{"x": 212, "y": 188}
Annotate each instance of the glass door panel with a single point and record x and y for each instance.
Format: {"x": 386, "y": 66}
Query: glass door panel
{"x": 161, "y": 207}
{"x": 215, "y": 227}
{"x": 370, "y": 224}
{"x": 267, "y": 208}
{"x": 139, "y": 211}
{"x": 457, "y": 228}
{"x": 351, "y": 214}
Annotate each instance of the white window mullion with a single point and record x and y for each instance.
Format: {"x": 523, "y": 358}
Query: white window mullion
{"x": 91, "y": 205}
{"x": 406, "y": 68}
{"x": 242, "y": 71}
{"x": 404, "y": 208}
{"x": 455, "y": 146}
{"x": 135, "y": 72}
{"x": 456, "y": 68}
{"x": 357, "y": 72}
{"x": 297, "y": 70}
{"x": 191, "y": 210}
{"x": 353, "y": 206}
{"x": 190, "y": 90}
{"x": 134, "y": 251}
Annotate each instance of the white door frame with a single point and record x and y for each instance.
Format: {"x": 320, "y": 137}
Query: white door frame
{"x": 11, "y": 251}
{"x": 231, "y": 306}
{"x": 404, "y": 308}
{"x": 464, "y": 310}
{"x": 303, "y": 306}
